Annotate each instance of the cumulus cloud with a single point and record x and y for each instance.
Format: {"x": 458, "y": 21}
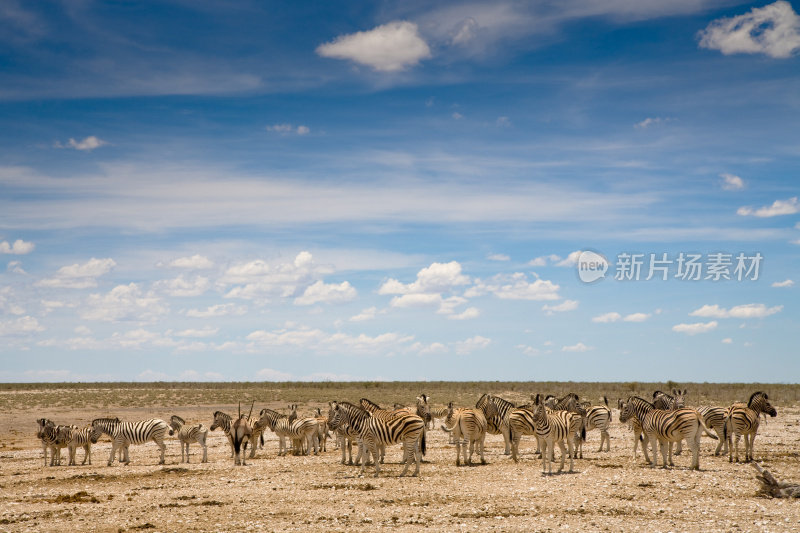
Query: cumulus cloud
{"x": 773, "y": 30}
{"x": 580, "y": 347}
{"x": 262, "y": 280}
{"x": 79, "y": 276}
{"x": 195, "y": 262}
{"x": 778, "y": 208}
{"x": 731, "y": 182}
{"x": 321, "y": 292}
{"x": 306, "y": 338}
{"x": 636, "y": 317}
{"x": 472, "y": 344}
{"x": 515, "y": 287}
{"x": 607, "y": 317}
{"x": 388, "y": 48}
{"x": 86, "y": 145}
{"x": 566, "y": 305}
{"x": 543, "y": 260}
{"x": 21, "y": 326}
{"x": 19, "y": 247}
{"x": 217, "y": 311}
{"x": 286, "y": 129}
{"x": 695, "y": 328}
{"x": 366, "y": 314}
{"x": 498, "y": 257}
{"x": 197, "y": 333}
{"x": 650, "y": 121}
{"x": 570, "y": 260}
{"x": 727, "y": 340}
{"x": 467, "y": 314}
{"x": 739, "y": 311}
{"x": 785, "y": 283}
{"x": 436, "y": 278}
{"x": 182, "y": 286}
{"x": 124, "y": 303}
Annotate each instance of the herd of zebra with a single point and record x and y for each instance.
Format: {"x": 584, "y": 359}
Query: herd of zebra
{"x": 561, "y": 422}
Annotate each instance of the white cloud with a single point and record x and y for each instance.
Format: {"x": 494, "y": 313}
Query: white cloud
{"x": 649, "y": 121}
{"x": 542, "y": 261}
{"x": 181, "y": 286}
{"x": 269, "y": 374}
{"x": 197, "y": 333}
{"x": 19, "y": 247}
{"x": 731, "y": 182}
{"x": 15, "y": 267}
{"x": 784, "y": 283}
{"x": 366, "y": 314}
{"x": 636, "y": 317}
{"x": 436, "y": 278}
{"x": 695, "y": 328}
{"x": 570, "y": 260}
{"x": 124, "y": 303}
{"x": 515, "y": 287}
{"x": 727, "y": 340}
{"x": 465, "y": 31}
{"x": 778, "y": 208}
{"x": 20, "y": 326}
{"x": 472, "y": 344}
{"x": 326, "y": 293}
{"x": 566, "y": 305}
{"x": 217, "y": 311}
{"x": 580, "y": 347}
{"x": 739, "y": 311}
{"x": 79, "y": 276}
{"x": 82, "y": 330}
{"x": 260, "y": 280}
{"x": 528, "y": 350}
{"x": 467, "y": 314}
{"x": 285, "y": 129}
{"x": 417, "y": 300}
{"x": 388, "y": 48}
{"x": 194, "y": 375}
{"x": 151, "y": 375}
{"x": 498, "y": 257}
{"x": 195, "y": 262}
{"x": 457, "y": 116}
{"x": 773, "y": 30}
{"x": 607, "y": 317}
{"x": 86, "y": 145}
{"x": 305, "y": 338}
{"x": 428, "y": 349}
{"x": 503, "y": 122}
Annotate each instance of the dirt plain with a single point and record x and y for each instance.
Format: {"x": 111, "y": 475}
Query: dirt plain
{"x": 608, "y": 491}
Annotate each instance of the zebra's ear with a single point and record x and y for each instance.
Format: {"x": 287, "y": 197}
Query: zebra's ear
{"x": 685, "y": 391}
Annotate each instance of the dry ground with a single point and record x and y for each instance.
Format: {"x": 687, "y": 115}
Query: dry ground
{"x": 607, "y": 491}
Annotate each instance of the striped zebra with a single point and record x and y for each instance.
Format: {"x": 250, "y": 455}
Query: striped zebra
{"x": 572, "y": 404}
{"x": 241, "y": 433}
{"x": 54, "y": 438}
{"x": 714, "y": 418}
{"x": 598, "y": 417}
{"x": 322, "y": 429}
{"x": 550, "y": 428}
{"x": 422, "y": 410}
{"x": 348, "y": 435}
{"x": 301, "y": 432}
{"x": 436, "y": 412}
{"x": 743, "y": 420}
{"x": 636, "y": 427}
{"x": 408, "y": 429}
{"x": 665, "y": 427}
{"x": 666, "y": 402}
{"x": 188, "y": 434}
{"x": 123, "y": 434}
{"x": 224, "y": 421}
{"x": 468, "y": 423}
{"x": 497, "y": 421}
{"x": 82, "y": 438}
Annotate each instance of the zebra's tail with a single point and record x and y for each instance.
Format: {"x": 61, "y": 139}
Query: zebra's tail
{"x": 262, "y": 439}
{"x": 422, "y": 445}
{"x": 725, "y": 426}
{"x": 447, "y": 429}
{"x": 705, "y": 428}
{"x": 583, "y": 433}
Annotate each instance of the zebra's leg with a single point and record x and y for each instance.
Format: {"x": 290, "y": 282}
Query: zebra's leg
{"x": 88, "y": 453}
{"x": 482, "y": 443}
{"x": 694, "y": 444}
{"x": 515, "y": 446}
{"x": 409, "y": 453}
{"x": 680, "y": 447}
{"x": 71, "y": 453}
{"x": 670, "y": 455}
{"x": 570, "y": 452}
{"x": 114, "y": 447}
{"x": 749, "y": 458}
{"x": 665, "y": 449}
{"x": 163, "y": 447}
{"x": 504, "y": 429}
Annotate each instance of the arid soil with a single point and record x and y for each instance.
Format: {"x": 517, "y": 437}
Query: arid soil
{"x": 606, "y": 492}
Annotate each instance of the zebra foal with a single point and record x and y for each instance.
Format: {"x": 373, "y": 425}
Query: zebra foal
{"x": 82, "y": 438}
{"x": 188, "y": 434}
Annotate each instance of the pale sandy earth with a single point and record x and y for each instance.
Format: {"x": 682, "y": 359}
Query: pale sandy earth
{"x": 606, "y": 492}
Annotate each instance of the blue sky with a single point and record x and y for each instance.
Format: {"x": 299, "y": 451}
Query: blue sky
{"x": 213, "y": 190}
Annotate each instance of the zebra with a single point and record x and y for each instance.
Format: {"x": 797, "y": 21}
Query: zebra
{"x": 598, "y": 416}
{"x": 497, "y": 422}
{"x": 82, "y": 438}
{"x": 54, "y": 438}
{"x": 665, "y": 427}
{"x": 322, "y": 429}
{"x": 634, "y": 424}
{"x": 436, "y": 412}
{"x": 187, "y": 434}
{"x": 123, "y": 434}
{"x": 743, "y": 419}
{"x": 223, "y": 421}
{"x": 422, "y": 410}
{"x": 241, "y": 433}
{"x": 471, "y": 424}
{"x": 278, "y": 423}
{"x": 550, "y": 428}
{"x": 714, "y": 418}
{"x": 406, "y": 428}
{"x": 665, "y": 402}
{"x": 300, "y": 432}
{"x": 570, "y": 403}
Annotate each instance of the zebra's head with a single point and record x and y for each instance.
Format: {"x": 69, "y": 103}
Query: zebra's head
{"x": 539, "y": 408}
{"x": 335, "y": 415}
{"x": 43, "y": 423}
{"x": 549, "y": 400}
{"x": 625, "y": 410}
{"x": 759, "y": 402}
{"x": 680, "y": 398}
{"x": 219, "y": 417}
{"x": 94, "y": 434}
{"x": 175, "y": 424}
{"x": 423, "y": 409}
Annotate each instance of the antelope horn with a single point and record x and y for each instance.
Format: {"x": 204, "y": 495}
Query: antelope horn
{"x": 251, "y": 409}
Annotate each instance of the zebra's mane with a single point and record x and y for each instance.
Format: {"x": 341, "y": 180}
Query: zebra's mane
{"x": 757, "y": 393}
{"x": 367, "y": 403}
{"x": 270, "y": 412}
{"x": 114, "y": 420}
{"x": 658, "y": 392}
{"x": 353, "y": 407}
{"x": 220, "y": 414}
{"x": 641, "y": 400}
{"x": 176, "y": 418}
{"x": 500, "y": 402}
